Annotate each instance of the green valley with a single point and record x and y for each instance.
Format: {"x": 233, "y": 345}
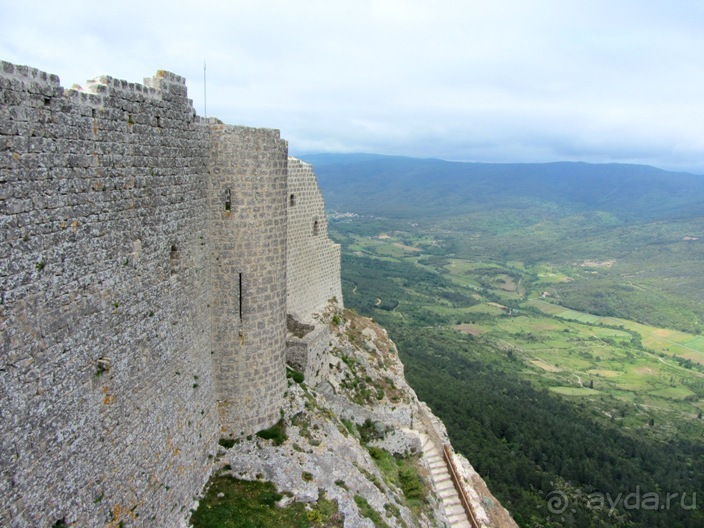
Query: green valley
{"x": 558, "y": 337}
{"x": 631, "y": 372}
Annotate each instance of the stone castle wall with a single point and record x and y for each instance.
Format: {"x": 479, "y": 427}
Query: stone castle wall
{"x": 310, "y": 354}
{"x": 313, "y": 259}
{"x": 107, "y": 402}
{"x": 248, "y": 301}
{"x": 142, "y": 297}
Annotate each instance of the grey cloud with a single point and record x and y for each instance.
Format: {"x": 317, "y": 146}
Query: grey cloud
{"x": 476, "y": 80}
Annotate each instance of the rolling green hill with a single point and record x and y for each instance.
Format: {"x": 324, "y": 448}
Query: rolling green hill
{"x": 365, "y": 183}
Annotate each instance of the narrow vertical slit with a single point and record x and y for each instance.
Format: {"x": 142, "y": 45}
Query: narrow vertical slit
{"x": 240, "y": 297}
{"x": 174, "y": 259}
{"x": 241, "y": 332}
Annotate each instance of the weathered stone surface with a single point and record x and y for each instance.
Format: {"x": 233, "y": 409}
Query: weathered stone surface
{"x": 107, "y": 402}
{"x": 313, "y": 262}
{"x": 248, "y": 174}
{"x": 143, "y": 271}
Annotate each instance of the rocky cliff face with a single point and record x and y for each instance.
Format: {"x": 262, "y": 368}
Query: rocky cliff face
{"x": 360, "y": 438}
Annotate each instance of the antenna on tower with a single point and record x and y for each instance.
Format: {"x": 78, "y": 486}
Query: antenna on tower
{"x": 205, "y": 94}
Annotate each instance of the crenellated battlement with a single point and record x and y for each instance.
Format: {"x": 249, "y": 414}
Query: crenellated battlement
{"x": 26, "y": 73}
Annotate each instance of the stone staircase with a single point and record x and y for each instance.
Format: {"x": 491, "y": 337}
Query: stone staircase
{"x": 440, "y": 474}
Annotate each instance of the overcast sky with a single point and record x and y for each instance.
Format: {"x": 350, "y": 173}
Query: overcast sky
{"x": 479, "y": 80}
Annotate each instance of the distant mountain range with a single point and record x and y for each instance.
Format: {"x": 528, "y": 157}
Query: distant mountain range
{"x": 403, "y": 187}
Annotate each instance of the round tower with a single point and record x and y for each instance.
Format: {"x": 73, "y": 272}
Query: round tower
{"x": 248, "y": 171}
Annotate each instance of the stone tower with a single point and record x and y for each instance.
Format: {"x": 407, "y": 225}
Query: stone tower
{"x": 247, "y": 198}
{"x": 313, "y": 259}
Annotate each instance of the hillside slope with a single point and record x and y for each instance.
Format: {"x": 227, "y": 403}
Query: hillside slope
{"x": 410, "y": 187}
{"x": 361, "y": 440}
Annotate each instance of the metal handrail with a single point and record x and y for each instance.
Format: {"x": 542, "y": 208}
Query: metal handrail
{"x": 466, "y": 504}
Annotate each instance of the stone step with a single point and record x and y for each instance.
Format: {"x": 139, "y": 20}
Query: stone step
{"x": 454, "y": 503}
{"x": 449, "y": 497}
{"x": 456, "y": 511}
{"x": 459, "y": 521}
{"x": 450, "y": 500}
{"x": 439, "y": 479}
{"x": 446, "y": 485}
